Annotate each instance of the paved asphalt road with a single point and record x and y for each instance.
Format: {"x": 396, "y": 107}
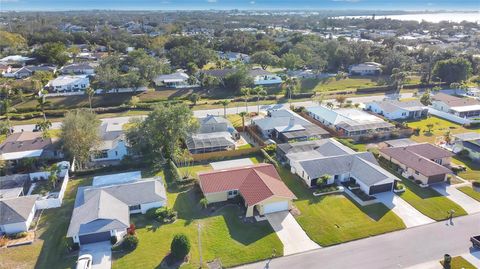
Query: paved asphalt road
{"x": 220, "y": 111}
{"x": 399, "y": 249}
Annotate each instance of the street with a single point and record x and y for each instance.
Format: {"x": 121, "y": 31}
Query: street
{"x": 231, "y": 110}
{"x": 399, "y": 249}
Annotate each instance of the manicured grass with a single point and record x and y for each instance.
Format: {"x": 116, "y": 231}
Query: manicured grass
{"x": 334, "y": 219}
{"x": 222, "y": 235}
{"x": 193, "y": 170}
{"x": 440, "y": 127}
{"x": 473, "y": 169}
{"x": 470, "y": 192}
{"x": 236, "y": 120}
{"x": 351, "y": 83}
{"x": 429, "y": 202}
{"x": 50, "y": 246}
{"x": 459, "y": 263}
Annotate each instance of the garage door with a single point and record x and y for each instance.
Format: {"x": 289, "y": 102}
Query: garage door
{"x": 92, "y": 238}
{"x": 435, "y": 179}
{"x": 275, "y": 207}
{"x": 380, "y": 188}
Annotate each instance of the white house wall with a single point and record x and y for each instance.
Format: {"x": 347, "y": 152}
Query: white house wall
{"x": 145, "y": 207}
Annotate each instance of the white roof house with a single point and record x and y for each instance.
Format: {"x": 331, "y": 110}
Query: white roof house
{"x": 113, "y": 146}
{"x": 16, "y": 59}
{"x": 69, "y": 83}
{"x": 367, "y": 68}
{"x": 178, "y": 79}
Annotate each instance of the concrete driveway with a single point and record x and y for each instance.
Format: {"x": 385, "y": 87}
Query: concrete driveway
{"x": 293, "y": 237}
{"x": 410, "y": 216}
{"x": 101, "y": 253}
{"x": 468, "y": 203}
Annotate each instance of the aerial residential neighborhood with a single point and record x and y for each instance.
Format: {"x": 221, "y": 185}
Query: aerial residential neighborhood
{"x": 222, "y": 134}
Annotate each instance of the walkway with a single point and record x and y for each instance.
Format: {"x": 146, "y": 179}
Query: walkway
{"x": 468, "y": 203}
{"x": 293, "y": 237}
{"x": 401, "y": 249}
{"x": 410, "y": 216}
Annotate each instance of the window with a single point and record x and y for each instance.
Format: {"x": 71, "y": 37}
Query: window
{"x": 101, "y": 155}
{"x": 116, "y": 153}
{"x": 134, "y": 207}
{"x": 231, "y": 193}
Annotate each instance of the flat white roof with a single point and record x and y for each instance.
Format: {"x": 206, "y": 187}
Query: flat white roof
{"x": 466, "y": 108}
{"x": 21, "y": 154}
{"x": 231, "y": 164}
{"x": 115, "y": 179}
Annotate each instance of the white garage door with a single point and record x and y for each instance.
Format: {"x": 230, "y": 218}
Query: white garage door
{"x": 275, "y": 207}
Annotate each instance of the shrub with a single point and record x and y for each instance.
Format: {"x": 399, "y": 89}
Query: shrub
{"x": 174, "y": 171}
{"x": 151, "y": 213}
{"x": 476, "y": 184}
{"x": 131, "y": 229}
{"x": 165, "y": 215}
{"x": 270, "y": 149}
{"x": 463, "y": 153}
{"x": 113, "y": 240}
{"x": 180, "y": 246}
{"x": 3, "y": 241}
{"x": 18, "y": 235}
{"x": 130, "y": 242}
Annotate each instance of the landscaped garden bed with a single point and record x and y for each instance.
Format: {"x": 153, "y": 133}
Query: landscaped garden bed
{"x": 362, "y": 195}
{"x": 330, "y": 189}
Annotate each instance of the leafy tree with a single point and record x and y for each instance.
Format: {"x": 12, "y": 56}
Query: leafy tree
{"x": 74, "y": 51}
{"x": 147, "y": 66}
{"x": 158, "y": 137}
{"x": 398, "y": 78}
{"x": 43, "y": 77}
{"x": 180, "y": 246}
{"x": 316, "y": 63}
{"x": 52, "y": 53}
{"x": 264, "y": 59}
{"x": 291, "y": 61}
{"x": 237, "y": 79}
{"x": 452, "y": 70}
{"x": 426, "y": 99}
{"x": 194, "y": 98}
{"x": 181, "y": 56}
{"x": 11, "y": 41}
{"x": 340, "y": 100}
{"x": 79, "y": 135}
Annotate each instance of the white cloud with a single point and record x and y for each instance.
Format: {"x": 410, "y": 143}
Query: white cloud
{"x": 252, "y": 2}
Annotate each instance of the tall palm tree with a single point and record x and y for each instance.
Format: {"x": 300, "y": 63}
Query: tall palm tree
{"x": 225, "y": 103}
{"x": 291, "y": 86}
{"x": 243, "y": 114}
{"x": 6, "y": 108}
{"x": 42, "y": 103}
{"x": 90, "y": 92}
{"x": 259, "y": 91}
{"x": 246, "y": 94}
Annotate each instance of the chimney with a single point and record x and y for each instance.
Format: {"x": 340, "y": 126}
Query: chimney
{"x": 291, "y": 122}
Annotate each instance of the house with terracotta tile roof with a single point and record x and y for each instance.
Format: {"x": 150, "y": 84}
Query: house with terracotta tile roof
{"x": 424, "y": 161}
{"x": 260, "y": 187}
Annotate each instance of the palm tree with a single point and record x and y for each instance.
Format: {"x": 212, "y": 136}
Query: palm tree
{"x": 42, "y": 103}
{"x": 90, "y": 92}
{"x": 259, "y": 91}
{"x": 44, "y": 126}
{"x": 330, "y": 105}
{"x": 243, "y": 114}
{"x": 246, "y": 94}
{"x": 53, "y": 177}
{"x": 225, "y": 103}
{"x": 291, "y": 86}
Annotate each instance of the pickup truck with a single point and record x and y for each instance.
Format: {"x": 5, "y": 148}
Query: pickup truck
{"x": 475, "y": 241}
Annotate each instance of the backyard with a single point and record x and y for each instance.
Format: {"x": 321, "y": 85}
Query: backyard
{"x": 333, "y": 219}
{"x": 439, "y": 128}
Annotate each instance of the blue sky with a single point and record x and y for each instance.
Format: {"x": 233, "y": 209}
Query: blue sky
{"x": 240, "y": 4}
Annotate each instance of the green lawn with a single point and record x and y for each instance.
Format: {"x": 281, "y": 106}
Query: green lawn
{"x": 459, "y": 263}
{"x": 429, "y": 202}
{"x": 473, "y": 169}
{"x": 332, "y": 84}
{"x": 222, "y": 234}
{"x": 50, "y": 246}
{"x": 470, "y": 192}
{"x": 334, "y": 219}
{"x": 440, "y": 127}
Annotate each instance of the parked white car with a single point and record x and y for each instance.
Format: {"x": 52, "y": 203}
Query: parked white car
{"x": 84, "y": 261}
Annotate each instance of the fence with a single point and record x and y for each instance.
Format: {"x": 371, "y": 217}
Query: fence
{"x": 121, "y": 90}
{"x": 253, "y": 132}
{"x": 64, "y": 94}
{"x": 46, "y": 203}
{"x": 218, "y": 155}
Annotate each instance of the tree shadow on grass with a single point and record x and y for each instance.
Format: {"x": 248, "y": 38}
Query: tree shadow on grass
{"x": 245, "y": 233}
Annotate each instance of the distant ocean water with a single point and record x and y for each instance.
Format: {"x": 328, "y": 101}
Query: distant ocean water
{"x": 430, "y": 17}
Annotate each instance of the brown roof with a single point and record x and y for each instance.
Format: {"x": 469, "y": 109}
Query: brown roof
{"x": 24, "y": 141}
{"x": 419, "y": 157}
{"x": 255, "y": 182}
{"x": 453, "y": 101}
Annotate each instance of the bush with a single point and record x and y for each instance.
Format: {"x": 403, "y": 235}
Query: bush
{"x": 270, "y": 149}
{"x": 180, "y": 246}
{"x": 476, "y": 184}
{"x": 18, "y": 235}
{"x": 113, "y": 240}
{"x": 151, "y": 213}
{"x": 130, "y": 242}
{"x": 165, "y": 215}
{"x": 174, "y": 171}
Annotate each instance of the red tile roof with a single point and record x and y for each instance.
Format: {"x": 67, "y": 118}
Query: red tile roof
{"x": 254, "y": 182}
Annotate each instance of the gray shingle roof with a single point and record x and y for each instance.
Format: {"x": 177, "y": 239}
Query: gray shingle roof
{"x": 14, "y": 210}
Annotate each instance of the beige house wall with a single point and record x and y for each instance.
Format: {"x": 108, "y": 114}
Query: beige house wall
{"x": 216, "y": 197}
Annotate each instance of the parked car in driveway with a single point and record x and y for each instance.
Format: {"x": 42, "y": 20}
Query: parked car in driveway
{"x": 475, "y": 241}
{"x": 84, "y": 261}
